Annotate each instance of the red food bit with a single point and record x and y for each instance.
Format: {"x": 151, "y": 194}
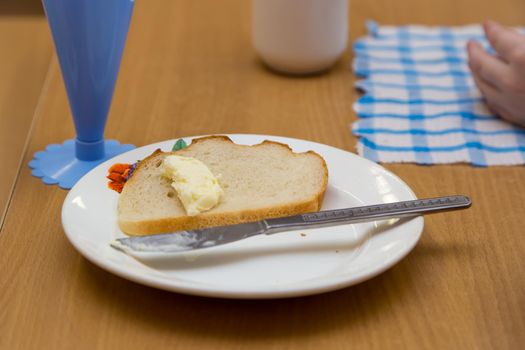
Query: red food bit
{"x": 119, "y": 168}
{"x": 115, "y": 186}
{"x": 118, "y": 175}
{"x": 115, "y": 177}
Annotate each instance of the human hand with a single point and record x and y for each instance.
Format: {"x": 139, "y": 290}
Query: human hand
{"x": 501, "y": 78}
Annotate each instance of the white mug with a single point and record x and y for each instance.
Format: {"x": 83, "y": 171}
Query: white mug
{"x": 300, "y": 36}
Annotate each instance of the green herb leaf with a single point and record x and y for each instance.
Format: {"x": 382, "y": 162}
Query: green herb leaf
{"x": 180, "y": 144}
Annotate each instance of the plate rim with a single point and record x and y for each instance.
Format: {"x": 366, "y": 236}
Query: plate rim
{"x": 336, "y": 283}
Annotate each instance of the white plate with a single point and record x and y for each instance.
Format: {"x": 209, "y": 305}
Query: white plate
{"x": 283, "y": 265}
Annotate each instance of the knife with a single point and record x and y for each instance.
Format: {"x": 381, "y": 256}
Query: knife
{"x": 214, "y": 236}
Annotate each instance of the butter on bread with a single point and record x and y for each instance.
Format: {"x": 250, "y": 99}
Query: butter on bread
{"x": 196, "y": 186}
{"x": 260, "y": 181}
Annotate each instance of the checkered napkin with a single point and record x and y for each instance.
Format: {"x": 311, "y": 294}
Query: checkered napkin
{"x": 420, "y": 103}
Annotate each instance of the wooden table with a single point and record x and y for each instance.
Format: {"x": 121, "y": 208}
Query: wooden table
{"x": 189, "y": 69}
{"x": 26, "y": 51}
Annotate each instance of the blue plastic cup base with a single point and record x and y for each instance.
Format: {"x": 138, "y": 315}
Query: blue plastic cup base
{"x": 90, "y": 151}
{"x": 58, "y": 164}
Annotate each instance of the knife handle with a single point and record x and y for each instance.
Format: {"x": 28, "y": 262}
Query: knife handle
{"x": 368, "y": 213}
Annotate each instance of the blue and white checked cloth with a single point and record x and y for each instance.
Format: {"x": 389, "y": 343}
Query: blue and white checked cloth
{"x": 420, "y": 103}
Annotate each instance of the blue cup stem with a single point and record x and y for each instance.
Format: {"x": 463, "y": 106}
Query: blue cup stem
{"x": 89, "y": 38}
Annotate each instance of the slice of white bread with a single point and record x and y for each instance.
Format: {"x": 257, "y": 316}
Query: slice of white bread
{"x": 260, "y": 181}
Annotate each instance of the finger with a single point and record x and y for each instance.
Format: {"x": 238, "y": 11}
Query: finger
{"x": 489, "y": 68}
{"x": 495, "y": 100}
{"x": 489, "y": 92}
{"x": 504, "y": 40}
{"x": 492, "y": 96}
{"x": 501, "y": 111}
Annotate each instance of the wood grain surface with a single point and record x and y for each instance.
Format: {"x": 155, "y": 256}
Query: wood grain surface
{"x": 24, "y": 60}
{"x": 189, "y": 69}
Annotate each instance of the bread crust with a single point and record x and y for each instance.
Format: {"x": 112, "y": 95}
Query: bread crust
{"x": 210, "y": 219}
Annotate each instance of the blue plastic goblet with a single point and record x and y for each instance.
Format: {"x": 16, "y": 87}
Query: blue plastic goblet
{"x": 89, "y": 37}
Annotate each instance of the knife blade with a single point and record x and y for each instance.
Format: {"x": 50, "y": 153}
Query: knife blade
{"x": 182, "y": 241}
